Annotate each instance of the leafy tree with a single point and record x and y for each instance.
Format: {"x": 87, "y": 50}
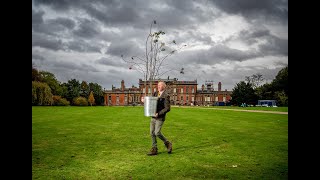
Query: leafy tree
{"x": 243, "y": 93}
{"x": 265, "y": 91}
{"x": 85, "y": 89}
{"x": 91, "y": 98}
{"x": 64, "y": 90}
{"x": 50, "y": 79}
{"x": 281, "y": 81}
{"x": 277, "y": 89}
{"x": 97, "y": 93}
{"x": 35, "y": 74}
{"x": 282, "y": 98}
{"x": 41, "y": 94}
{"x": 256, "y": 80}
{"x": 73, "y": 89}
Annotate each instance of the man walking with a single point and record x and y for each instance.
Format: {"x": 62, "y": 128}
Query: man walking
{"x": 157, "y": 121}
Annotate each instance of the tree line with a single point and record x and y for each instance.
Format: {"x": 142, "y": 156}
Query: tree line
{"x": 251, "y": 89}
{"x": 48, "y": 91}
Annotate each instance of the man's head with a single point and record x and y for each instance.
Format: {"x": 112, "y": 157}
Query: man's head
{"x": 161, "y": 85}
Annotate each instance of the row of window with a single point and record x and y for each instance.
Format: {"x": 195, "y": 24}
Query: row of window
{"x": 136, "y": 98}
{"x": 174, "y": 90}
{"x": 132, "y": 99}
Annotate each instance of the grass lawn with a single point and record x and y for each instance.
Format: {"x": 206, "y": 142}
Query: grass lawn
{"x": 112, "y": 142}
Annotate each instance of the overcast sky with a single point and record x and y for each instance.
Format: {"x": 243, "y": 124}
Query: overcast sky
{"x": 225, "y": 40}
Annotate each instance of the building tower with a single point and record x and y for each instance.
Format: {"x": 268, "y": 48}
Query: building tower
{"x": 122, "y": 85}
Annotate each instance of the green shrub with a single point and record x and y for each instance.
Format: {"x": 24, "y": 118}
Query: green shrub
{"x": 80, "y": 101}
{"x": 59, "y": 101}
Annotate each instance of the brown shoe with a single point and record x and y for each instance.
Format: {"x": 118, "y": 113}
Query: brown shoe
{"x": 168, "y": 144}
{"x": 153, "y": 151}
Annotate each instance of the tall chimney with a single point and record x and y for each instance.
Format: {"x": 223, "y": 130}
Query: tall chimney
{"x": 219, "y": 86}
{"x": 122, "y": 85}
{"x": 202, "y": 87}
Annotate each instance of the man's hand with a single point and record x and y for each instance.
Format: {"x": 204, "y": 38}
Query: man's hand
{"x": 156, "y": 115}
{"x": 142, "y": 99}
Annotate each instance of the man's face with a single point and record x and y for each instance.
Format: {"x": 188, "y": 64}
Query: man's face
{"x": 160, "y": 86}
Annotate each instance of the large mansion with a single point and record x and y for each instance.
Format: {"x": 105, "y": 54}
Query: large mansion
{"x": 181, "y": 93}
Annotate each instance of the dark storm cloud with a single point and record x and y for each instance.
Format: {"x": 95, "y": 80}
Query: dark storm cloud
{"x": 43, "y": 41}
{"x": 82, "y": 46}
{"x": 111, "y": 62}
{"x": 251, "y": 36}
{"x": 87, "y": 29}
{"x": 272, "y": 45}
{"x": 139, "y": 13}
{"x": 193, "y": 37}
{"x": 37, "y": 60}
{"x": 179, "y": 15}
{"x": 38, "y": 57}
{"x": 54, "y": 27}
{"x": 110, "y": 36}
{"x": 226, "y": 53}
{"x": 56, "y": 4}
{"x": 127, "y": 49}
{"x": 119, "y": 27}
{"x": 88, "y": 68}
{"x": 37, "y": 21}
{"x": 217, "y": 54}
{"x": 123, "y": 14}
{"x": 271, "y": 9}
{"x": 108, "y": 14}
{"x": 54, "y": 43}
{"x": 73, "y": 66}
{"x": 37, "y": 17}
{"x": 203, "y": 38}
{"x": 275, "y": 46}
{"x": 51, "y": 26}
{"x": 67, "y": 23}
{"x": 64, "y": 5}
{"x": 51, "y": 34}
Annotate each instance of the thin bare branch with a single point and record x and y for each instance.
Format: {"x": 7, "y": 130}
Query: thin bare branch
{"x": 153, "y": 62}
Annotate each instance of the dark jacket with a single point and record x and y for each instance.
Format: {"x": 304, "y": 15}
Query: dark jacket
{"x": 163, "y": 104}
